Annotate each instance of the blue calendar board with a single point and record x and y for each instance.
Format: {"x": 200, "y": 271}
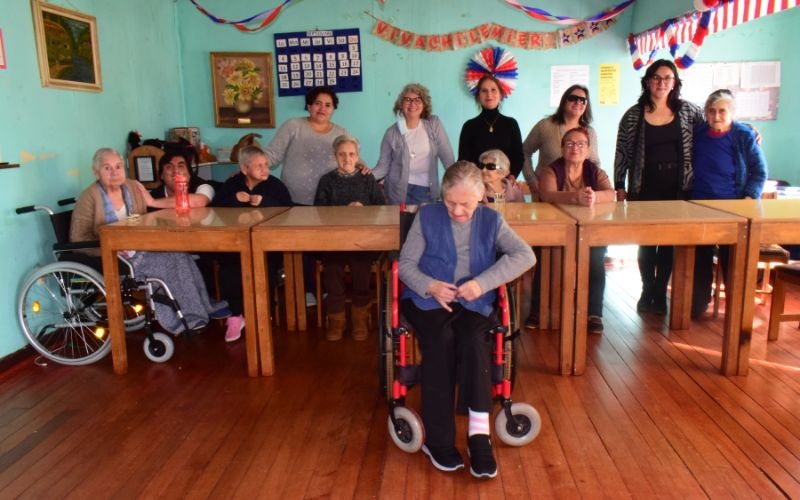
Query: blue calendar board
{"x": 307, "y": 59}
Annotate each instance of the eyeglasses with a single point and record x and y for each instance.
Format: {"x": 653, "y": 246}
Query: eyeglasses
{"x": 573, "y": 145}
{"x": 414, "y": 100}
{"x": 659, "y": 79}
{"x": 489, "y": 166}
{"x": 576, "y": 98}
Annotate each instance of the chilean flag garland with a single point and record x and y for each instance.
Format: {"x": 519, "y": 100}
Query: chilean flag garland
{"x": 710, "y": 16}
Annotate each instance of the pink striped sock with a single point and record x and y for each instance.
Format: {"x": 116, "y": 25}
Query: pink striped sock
{"x": 478, "y": 423}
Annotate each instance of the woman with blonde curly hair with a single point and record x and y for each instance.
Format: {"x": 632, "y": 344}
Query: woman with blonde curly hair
{"x": 412, "y": 148}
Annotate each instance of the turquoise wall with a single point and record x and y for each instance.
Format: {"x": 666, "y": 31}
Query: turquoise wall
{"x": 53, "y": 133}
{"x": 156, "y": 75}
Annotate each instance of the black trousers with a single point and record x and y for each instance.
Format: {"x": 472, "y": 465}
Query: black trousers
{"x": 704, "y": 274}
{"x": 655, "y": 268}
{"x": 456, "y": 351}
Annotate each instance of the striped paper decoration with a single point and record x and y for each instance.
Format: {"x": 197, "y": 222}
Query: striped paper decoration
{"x": 644, "y": 45}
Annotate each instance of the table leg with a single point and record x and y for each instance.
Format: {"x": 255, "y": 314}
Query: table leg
{"x": 543, "y": 268}
{"x": 556, "y": 285}
{"x": 581, "y": 303}
{"x": 300, "y": 292}
{"x": 288, "y": 290}
{"x": 250, "y": 314}
{"x": 116, "y": 327}
{"x": 567, "y": 320}
{"x": 682, "y": 287}
{"x": 736, "y": 335}
{"x": 263, "y": 311}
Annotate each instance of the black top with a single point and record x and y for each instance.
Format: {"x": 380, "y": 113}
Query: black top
{"x": 273, "y": 193}
{"x": 661, "y": 142}
{"x": 335, "y": 189}
{"x": 505, "y": 135}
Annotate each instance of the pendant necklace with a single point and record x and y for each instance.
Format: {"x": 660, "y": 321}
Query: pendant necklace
{"x": 411, "y": 142}
{"x": 491, "y": 125}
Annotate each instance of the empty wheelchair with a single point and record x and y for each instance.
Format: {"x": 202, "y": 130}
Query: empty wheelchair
{"x": 515, "y": 424}
{"x": 62, "y": 305}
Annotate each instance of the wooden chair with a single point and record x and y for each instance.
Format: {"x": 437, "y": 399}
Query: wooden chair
{"x": 378, "y": 268}
{"x": 143, "y": 165}
{"x": 785, "y": 276}
{"x": 769, "y": 256}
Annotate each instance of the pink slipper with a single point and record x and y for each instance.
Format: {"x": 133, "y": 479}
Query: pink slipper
{"x": 235, "y": 325}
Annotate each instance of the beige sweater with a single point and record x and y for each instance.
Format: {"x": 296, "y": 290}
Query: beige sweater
{"x": 88, "y": 214}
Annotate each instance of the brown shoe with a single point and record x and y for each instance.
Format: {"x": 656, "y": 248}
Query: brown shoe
{"x": 360, "y": 322}
{"x": 335, "y": 330}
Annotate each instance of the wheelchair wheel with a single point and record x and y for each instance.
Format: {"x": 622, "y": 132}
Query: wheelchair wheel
{"x": 62, "y": 311}
{"x": 523, "y": 427}
{"x": 406, "y": 431}
{"x": 160, "y": 349}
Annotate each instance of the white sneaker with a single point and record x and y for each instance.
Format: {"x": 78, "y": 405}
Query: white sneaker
{"x": 311, "y": 299}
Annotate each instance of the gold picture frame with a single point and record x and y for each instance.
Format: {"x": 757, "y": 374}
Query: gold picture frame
{"x": 243, "y": 89}
{"x": 67, "y": 46}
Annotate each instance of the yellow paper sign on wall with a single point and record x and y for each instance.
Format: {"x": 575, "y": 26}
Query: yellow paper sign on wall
{"x": 608, "y": 83}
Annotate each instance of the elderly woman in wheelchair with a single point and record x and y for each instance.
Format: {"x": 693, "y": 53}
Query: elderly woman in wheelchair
{"x": 450, "y": 266}
{"x": 113, "y": 197}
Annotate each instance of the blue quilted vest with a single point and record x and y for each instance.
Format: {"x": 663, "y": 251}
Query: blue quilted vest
{"x": 439, "y": 258}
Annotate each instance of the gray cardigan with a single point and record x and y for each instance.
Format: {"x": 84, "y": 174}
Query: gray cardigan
{"x": 394, "y": 161}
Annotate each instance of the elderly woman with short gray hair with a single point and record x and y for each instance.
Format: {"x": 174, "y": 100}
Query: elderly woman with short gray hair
{"x": 450, "y": 267}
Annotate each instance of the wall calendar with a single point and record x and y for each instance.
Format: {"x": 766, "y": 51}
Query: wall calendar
{"x": 307, "y": 59}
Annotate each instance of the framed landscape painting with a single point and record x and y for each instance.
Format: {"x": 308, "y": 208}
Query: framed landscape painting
{"x": 242, "y": 87}
{"x": 66, "y": 43}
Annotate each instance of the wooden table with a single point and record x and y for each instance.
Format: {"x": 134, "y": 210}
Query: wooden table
{"x": 202, "y": 230}
{"x": 544, "y": 225}
{"x": 678, "y": 223}
{"x": 312, "y": 229}
{"x": 771, "y": 221}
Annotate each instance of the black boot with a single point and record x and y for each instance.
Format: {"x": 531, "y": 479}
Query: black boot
{"x": 645, "y": 303}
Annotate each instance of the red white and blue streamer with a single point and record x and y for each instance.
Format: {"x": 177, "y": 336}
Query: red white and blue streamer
{"x": 494, "y": 61}
{"x": 543, "y": 15}
{"x": 263, "y": 19}
{"x": 710, "y": 16}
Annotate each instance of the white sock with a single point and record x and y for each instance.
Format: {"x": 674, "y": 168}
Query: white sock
{"x": 478, "y": 423}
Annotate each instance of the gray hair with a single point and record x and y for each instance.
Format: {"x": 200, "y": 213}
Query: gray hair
{"x": 424, "y": 94}
{"x": 97, "y": 159}
{"x": 718, "y": 95}
{"x": 497, "y": 157}
{"x": 344, "y": 139}
{"x": 247, "y": 153}
{"x": 463, "y": 173}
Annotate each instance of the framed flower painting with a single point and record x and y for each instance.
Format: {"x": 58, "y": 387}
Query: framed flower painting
{"x": 243, "y": 90}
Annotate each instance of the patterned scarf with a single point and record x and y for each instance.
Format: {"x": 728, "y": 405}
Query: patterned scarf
{"x": 108, "y": 209}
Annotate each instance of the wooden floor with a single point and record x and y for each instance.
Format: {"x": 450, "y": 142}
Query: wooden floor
{"x": 650, "y": 418}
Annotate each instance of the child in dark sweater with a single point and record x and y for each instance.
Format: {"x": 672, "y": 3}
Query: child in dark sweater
{"x": 347, "y": 186}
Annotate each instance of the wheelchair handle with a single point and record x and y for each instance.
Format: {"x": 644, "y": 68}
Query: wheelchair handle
{"x": 33, "y": 208}
{"x": 66, "y": 201}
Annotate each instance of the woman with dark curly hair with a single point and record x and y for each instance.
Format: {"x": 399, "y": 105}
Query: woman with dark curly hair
{"x": 654, "y": 155}
{"x": 412, "y": 148}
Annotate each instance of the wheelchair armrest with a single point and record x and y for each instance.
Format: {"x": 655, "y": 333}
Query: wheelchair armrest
{"x": 78, "y": 245}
